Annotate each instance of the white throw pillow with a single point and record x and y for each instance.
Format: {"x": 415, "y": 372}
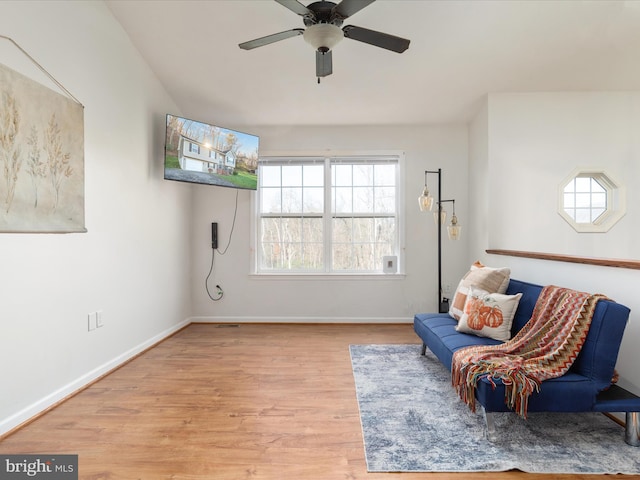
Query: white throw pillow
{"x": 489, "y": 314}
{"x": 492, "y": 280}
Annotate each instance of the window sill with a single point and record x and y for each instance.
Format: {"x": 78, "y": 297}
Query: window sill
{"x": 328, "y": 276}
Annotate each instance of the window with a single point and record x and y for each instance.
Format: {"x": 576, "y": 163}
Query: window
{"x": 585, "y": 199}
{"x": 193, "y": 147}
{"x": 327, "y": 215}
{"x": 590, "y": 201}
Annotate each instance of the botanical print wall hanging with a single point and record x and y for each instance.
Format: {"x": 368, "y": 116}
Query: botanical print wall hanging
{"x": 41, "y": 157}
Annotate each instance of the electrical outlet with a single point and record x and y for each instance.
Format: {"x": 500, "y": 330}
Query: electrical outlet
{"x": 92, "y": 320}
{"x": 446, "y": 288}
{"x": 99, "y": 319}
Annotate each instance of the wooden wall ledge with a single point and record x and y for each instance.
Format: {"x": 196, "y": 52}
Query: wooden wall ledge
{"x": 604, "y": 262}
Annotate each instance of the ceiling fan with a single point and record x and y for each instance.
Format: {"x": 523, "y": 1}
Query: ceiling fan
{"x": 323, "y": 20}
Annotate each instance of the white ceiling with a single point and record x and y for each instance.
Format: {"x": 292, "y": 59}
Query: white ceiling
{"x": 460, "y": 51}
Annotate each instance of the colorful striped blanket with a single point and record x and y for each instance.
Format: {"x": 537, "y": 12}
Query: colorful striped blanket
{"x": 545, "y": 347}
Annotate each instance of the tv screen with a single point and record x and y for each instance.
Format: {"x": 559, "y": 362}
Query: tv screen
{"x": 198, "y": 152}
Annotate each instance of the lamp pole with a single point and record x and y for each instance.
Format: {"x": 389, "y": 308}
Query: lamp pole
{"x": 440, "y": 305}
{"x": 438, "y": 216}
{"x": 443, "y": 307}
{"x": 426, "y": 202}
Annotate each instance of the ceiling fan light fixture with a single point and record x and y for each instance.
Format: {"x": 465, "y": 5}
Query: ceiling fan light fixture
{"x": 323, "y": 36}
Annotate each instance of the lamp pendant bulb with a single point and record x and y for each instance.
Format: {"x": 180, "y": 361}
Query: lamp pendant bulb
{"x": 454, "y": 229}
{"x": 425, "y": 201}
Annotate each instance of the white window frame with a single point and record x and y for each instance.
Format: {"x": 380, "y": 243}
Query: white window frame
{"x": 615, "y": 204}
{"x": 344, "y": 155}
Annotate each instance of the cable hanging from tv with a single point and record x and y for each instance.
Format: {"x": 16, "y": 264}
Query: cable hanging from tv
{"x": 219, "y": 294}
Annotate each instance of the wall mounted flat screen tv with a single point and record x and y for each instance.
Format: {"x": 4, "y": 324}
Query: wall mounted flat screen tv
{"x": 197, "y": 152}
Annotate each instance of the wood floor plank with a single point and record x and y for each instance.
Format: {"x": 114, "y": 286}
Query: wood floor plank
{"x": 267, "y": 402}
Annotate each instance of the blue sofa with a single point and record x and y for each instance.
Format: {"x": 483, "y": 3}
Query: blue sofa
{"x": 586, "y": 387}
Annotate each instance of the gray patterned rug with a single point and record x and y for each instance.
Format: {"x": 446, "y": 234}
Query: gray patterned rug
{"x": 413, "y": 421}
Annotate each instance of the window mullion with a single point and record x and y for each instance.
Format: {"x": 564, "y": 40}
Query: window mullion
{"x": 327, "y": 215}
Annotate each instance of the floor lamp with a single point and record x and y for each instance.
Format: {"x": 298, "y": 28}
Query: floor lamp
{"x": 425, "y": 201}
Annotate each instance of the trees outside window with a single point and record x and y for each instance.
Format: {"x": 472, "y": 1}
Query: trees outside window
{"x": 327, "y": 215}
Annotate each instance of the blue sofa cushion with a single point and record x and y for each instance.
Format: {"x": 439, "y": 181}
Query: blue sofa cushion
{"x": 597, "y": 358}
{"x": 443, "y": 338}
{"x": 530, "y": 293}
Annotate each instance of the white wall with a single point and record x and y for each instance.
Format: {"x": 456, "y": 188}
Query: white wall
{"x": 543, "y": 137}
{"x": 533, "y": 142}
{"x": 133, "y": 264}
{"x": 479, "y": 173}
{"x": 249, "y": 298}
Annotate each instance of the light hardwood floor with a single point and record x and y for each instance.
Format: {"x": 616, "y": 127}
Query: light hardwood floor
{"x": 220, "y": 402}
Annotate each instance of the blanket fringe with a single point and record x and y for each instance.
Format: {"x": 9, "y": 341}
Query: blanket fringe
{"x": 518, "y": 385}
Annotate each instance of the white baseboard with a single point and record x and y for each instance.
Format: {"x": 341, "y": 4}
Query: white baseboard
{"x": 327, "y": 320}
{"x": 31, "y": 411}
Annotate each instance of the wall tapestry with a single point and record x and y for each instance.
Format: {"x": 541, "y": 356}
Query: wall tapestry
{"x": 41, "y": 158}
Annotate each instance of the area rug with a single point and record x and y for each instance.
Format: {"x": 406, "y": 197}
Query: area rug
{"x": 413, "y": 421}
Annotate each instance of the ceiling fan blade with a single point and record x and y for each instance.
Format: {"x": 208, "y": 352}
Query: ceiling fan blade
{"x": 324, "y": 64}
{"x": 296, "y": 7}
{"x": 378, "y": 39}
{"x": 346, "y": 8}
{"x": 276, "y": 37}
